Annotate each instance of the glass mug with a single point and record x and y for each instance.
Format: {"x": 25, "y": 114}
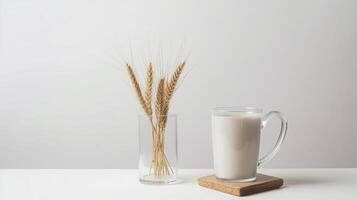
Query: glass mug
{"x": 236, "y": 139}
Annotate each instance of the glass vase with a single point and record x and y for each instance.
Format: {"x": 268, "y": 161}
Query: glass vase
{"x": 158, "y": 149}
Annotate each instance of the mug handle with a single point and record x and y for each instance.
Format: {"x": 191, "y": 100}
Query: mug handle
{"x": 283, "y": 129}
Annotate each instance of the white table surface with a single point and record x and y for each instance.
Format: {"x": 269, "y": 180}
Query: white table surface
{"x": 119, "y": 184}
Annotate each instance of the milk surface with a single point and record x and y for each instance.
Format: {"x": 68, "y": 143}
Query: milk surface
{"x": 235, "y": 142}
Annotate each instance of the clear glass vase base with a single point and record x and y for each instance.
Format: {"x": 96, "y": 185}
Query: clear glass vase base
{"x": 155, "y": 180}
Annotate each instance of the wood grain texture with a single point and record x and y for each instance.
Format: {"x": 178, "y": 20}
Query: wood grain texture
{"x": 261, "y": 184}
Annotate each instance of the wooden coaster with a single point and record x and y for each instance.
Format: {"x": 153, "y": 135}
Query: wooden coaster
{"x": 261, "y": 184}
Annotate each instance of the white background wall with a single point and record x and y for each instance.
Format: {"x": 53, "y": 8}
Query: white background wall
{"x": 64, "y": 102}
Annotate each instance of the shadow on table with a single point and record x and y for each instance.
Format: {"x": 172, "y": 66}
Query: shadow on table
{"x": 183, "y": 179}
{"x": 291, "y": 181}
{"x": 288, "y": 181}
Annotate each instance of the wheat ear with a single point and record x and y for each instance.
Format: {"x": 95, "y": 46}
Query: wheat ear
{"x": 160, "y": 95}
{"x": 171, "y": 85}
{"x": 148, "y": 89}
{"x": 170, "y": 89}
{"x": 137, "y": 89}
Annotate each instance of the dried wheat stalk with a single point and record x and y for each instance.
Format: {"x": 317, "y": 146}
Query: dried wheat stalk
{"x": 171, "y": 85}
{"x": 148, "y": 89}
{"x": 137, "y": 89}
{"x": 160, "y": 95}
{"x": 170, "y": 89}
